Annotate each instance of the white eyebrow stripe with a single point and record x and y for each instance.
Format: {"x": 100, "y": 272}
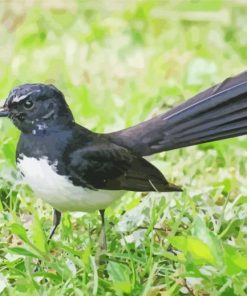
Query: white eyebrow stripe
{"x": 23, "y": 97}
{"x": 18, "y": 99}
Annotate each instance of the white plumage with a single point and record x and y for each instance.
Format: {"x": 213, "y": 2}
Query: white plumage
{"x": 59, "y": 191}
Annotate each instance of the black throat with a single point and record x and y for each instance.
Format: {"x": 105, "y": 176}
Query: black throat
{"x": 50, "y": 127}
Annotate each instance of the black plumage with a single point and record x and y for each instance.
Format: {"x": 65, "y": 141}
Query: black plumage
{"x": 219, "y": 112}
{"x": 114, "y": 162}
{"x": 92, "y": 161}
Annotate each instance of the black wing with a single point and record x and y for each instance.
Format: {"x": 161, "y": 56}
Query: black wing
{"x": 109, "y": 166}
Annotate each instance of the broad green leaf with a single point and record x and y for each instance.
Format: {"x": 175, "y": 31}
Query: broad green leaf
{"x": 179, "y": 242}
{"x": 191, "y": 245}
{"x": 231, "y": 267}
{"x": 120, "y": 276}
{"x": 201, "y": 231}
{"x": 48, "y": 275}
{"x": 20, "y": 231}
{"x": 241, "y": 200}
{"x": 85, "y": 256}
{"x": 22, "y": 251}
{"x": 38, "y": 236}
{"x": 199, "y": 250}
{"x": 240, "y": 261}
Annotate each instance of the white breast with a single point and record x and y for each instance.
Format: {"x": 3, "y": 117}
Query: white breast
{"x": 59, "y": 191}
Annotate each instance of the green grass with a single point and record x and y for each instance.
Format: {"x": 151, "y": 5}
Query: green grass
{"x": 118, "y": 63}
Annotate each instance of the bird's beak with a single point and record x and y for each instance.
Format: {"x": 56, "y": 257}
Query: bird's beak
{"x": 4, "y": 112}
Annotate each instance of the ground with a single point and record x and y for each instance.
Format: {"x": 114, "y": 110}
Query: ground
{"x": 119, "y": 63}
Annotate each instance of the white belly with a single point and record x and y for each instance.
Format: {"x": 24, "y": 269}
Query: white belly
{"x": 59, "y": 191}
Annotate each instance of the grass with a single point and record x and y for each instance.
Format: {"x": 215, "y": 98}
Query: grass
{"x": 118, "y": 63}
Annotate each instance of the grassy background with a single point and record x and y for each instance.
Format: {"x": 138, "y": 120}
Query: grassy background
{"x": 118, "y": 63}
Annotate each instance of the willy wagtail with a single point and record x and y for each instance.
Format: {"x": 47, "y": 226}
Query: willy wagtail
{"x": 75, "y": 169}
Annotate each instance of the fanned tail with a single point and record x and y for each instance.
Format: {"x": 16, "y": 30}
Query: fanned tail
{"x": 217, "y": 113}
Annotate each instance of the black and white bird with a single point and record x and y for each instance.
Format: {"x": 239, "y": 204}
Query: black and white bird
{"x": 75, "y": 169}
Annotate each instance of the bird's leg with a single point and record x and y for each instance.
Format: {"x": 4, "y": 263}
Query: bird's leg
{"x": 56, "y": 222}
{"x": 100, "y": 256}
{"x": 103, "y": 243}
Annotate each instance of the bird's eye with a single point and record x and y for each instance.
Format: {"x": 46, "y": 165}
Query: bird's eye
{"x": 28, "y": 104}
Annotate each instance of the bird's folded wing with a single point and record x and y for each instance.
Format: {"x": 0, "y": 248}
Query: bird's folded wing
{"x": 109, "y": 166}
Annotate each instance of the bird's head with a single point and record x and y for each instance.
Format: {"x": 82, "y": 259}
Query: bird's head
{"x": 36, "y": 107}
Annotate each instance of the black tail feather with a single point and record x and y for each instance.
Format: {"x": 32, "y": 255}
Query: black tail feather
{"x": 217, "y": 113}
